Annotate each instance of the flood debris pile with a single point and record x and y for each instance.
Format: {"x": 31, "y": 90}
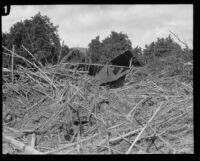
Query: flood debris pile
{"x": 63, "y": 111}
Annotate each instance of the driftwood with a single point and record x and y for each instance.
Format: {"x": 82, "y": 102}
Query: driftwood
{"x": 63, "y": 111}
{"x": 21, "y": 146}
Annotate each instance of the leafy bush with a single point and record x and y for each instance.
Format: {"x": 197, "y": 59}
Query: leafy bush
{"x": 161, "y": 48}
{"x": 38, "y": 35}
{"x": 109, "y": 48}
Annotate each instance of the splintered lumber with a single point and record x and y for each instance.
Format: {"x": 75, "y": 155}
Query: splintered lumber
{"x": 21, "y": 146}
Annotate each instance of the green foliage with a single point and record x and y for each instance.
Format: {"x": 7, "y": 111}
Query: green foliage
{"x": 38, "y": 35}
{"x": 115, "y": 44}
{"x": 64, "y": 52}
{"x": 187, "y": 55}
{"x": 137, "y": 50}
{"x": 6, "y": 58}
{"x": 76, "y": 56}
{"x": 109, "y": 48}
{"x": 166, "y": 55}
{"x": 95, "y": 50}
{"x": 161, "y": 48}
{"x": 137, "y": 53}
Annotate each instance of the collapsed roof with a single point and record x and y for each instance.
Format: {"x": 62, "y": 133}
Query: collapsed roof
{"x": 114, "y": 73}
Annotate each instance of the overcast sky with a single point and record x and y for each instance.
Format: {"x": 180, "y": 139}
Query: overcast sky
{"x": 78, "y": 24}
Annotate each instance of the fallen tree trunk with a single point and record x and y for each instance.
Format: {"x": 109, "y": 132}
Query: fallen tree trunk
{"x": 21, "y": 146}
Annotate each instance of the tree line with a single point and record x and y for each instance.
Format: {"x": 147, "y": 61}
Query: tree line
{"x": 39, "y": 36}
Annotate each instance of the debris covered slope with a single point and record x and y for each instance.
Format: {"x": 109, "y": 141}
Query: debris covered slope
{"x": 62, "y": 111}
